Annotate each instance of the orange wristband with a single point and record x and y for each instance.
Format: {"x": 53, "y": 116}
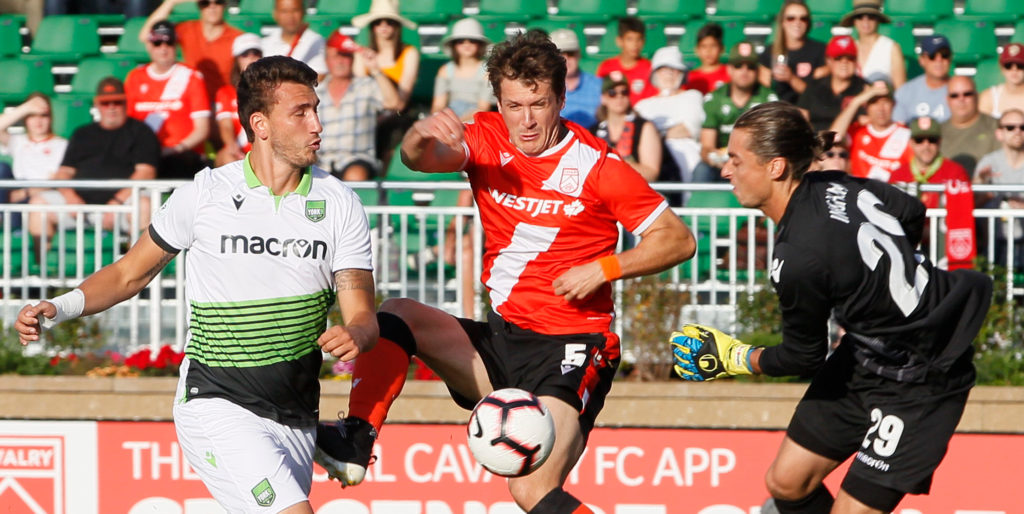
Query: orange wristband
{"x": 610, "y": 267}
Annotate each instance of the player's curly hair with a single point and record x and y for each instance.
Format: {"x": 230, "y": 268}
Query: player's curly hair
{"x": 259, "y": 80}
{"x": 529, "y": 58}
{"x": 778, "y": 129}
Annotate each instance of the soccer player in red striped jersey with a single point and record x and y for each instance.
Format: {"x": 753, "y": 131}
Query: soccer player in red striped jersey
{"x": 550, "y": 195}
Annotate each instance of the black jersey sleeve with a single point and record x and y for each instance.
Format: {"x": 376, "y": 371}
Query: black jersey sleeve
{"x": 906, "y": 208}
{"x": 802, "y": 284}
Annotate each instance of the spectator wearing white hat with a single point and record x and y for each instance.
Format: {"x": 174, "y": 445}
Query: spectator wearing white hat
{"x": 396, "y": 60}
{"x": 582, "y": 89}
{"x": 677, "y": 113}
{"x": 461, "y": 83}
{"x": 246, "y": 50}
{"x": 293, "y": 38}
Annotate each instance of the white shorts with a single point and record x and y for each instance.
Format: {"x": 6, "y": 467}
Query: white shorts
{"x": 249, "y": 463}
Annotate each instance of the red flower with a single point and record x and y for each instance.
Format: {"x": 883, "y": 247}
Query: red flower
{"x": 55, "y": 360}
{"x": 139, "y": 360}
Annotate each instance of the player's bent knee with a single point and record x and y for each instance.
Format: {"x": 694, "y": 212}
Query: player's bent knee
{"x": 786, "y": 486}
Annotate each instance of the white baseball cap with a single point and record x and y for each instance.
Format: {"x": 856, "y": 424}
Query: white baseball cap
{"x": 244, "y": 42}
{"x": 669, "y": 56}
{"x": 565, "y": 40}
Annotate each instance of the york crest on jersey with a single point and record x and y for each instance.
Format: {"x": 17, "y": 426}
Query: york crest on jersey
{"x": 316, "y": 210}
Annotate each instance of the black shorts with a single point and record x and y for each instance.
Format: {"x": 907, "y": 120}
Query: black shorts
{"x": 575, "y": 368}
{"x": 896, "y": 432}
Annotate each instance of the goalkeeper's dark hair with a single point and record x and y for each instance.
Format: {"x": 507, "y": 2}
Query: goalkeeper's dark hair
{"x": 259, "y": 81}
{"x": 529, "y": 58}
{"x": 778, "y": 129}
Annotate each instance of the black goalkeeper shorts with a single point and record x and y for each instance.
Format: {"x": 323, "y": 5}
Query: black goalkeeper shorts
{"x": 575, "y": 368}
{"x": 896, "y": 432}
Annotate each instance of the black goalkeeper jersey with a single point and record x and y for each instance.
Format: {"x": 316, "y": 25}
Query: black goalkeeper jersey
{"x": 848, "y": 245}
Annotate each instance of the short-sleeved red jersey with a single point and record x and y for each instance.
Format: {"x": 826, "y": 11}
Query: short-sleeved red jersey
{"x": 226, "y": 107}
{"x": 877, "y": 153}
{"x": 542, "y": 215}
{"x": 170, "y": 103}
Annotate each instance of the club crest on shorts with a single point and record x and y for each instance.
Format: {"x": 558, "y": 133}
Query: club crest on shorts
{"x": 264, "y": 493}
{"x": 316, "y": 210}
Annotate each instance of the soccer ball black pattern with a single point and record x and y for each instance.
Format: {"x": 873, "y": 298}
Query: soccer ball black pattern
{"x": 510, "y": 432}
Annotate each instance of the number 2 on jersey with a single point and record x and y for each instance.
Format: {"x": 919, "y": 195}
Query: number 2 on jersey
{"x": 874, "y": 239}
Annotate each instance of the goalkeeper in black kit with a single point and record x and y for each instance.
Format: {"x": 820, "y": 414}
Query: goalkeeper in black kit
{"x": 893, "y": 391}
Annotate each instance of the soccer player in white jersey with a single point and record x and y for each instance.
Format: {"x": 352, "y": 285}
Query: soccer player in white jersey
{"x": 550, "y": 195}
{"x": 271, "y": 240}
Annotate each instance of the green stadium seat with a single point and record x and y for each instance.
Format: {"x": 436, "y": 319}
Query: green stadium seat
{"x": 972, "y": 40}
{"x": 256, "y": 7}
{"x": 713, "y": 199}
{"x": 494, "y": 28}
{"x": 128, "y": 44}
{"x": 24, "y": 76}
{"x": 589, "y": 63}
{"x": 10, "y": 36}
{"x": 69, "y": 113}
{"x": 919, "y": 11}
{"x": 821, "y": 28}
{"x": 549, "y": 26}
{"x": 833, "y": 9}
{"x": 252, "y": 23}
{"x": 93, "y": 69}
{"x": 513, "y": 10}
{"x": 589, "y": 11}
{"x": 398, "y": 171}
{"x": 66, "y": 38}
{"x": 747, "y": 10}
{"x": 323, "y": 24}
{"x": 184, "y": 11}
{"x": 432, "y": 11}
{"x": 987, "y": 74}
{"x": 902, "y": 32}
{"x": 344, "y": 10}
{"x": 670, "y": 11}
{"x": 423, "y": 88}
{"x": 1018, "y": 32}
{"x": 995, "y": 11}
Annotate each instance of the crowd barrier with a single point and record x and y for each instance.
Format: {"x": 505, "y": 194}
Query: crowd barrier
{"x": 409, "y": 246}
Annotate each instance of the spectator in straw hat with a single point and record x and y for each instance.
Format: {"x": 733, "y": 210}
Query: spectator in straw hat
{"x": 875, "y": 53}
{"x": 1000, "y": 98}
{"x": 582, "y": 89}
{"x": 461, "y": 83}
{"x": 349, "y": 106}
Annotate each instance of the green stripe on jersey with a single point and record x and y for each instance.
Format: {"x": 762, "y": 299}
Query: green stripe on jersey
{"x": 257, "y": 332}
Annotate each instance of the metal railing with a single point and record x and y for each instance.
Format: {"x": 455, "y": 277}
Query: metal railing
{"x": 409, "y": 245}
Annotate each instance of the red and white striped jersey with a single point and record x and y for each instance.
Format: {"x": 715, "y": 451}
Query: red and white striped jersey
{"x": 877, "y": 153}
{"x": 543, "y": 215}
{"x": 171, "y": 103}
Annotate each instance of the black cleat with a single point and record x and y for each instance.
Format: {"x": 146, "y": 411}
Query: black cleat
{"x": 343, "y": 449}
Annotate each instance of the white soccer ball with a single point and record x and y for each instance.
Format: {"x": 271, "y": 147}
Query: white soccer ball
{"x": 511, "y": 432}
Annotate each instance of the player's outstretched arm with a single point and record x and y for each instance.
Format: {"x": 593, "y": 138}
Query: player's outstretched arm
{"x": 704, "y": 353}
{"x": 356, "y": 300}
{"x": 107, "y": 287}
{"x": 434, "y": 144}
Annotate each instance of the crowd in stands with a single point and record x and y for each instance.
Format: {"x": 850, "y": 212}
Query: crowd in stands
{"x": 668, "y": 118}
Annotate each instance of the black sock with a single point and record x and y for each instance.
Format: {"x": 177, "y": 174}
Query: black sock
{"x": 556, "y": 502}
{"x": 818, "y": 502}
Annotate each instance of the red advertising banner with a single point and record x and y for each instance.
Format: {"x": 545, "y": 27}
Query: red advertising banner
{"x": 427, "y": 469}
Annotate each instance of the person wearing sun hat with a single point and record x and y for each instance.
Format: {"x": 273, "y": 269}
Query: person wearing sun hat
{"x": 461, "y": 84}
{"x": 348, "y": 110}
{"x": 824, "y": 97}
{"x": 926, "y": 95}
{"x": 877, "y": 53}
{"x": 1000, "y": 98}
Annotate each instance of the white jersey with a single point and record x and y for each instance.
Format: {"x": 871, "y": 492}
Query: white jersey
{"x": 36, "y": 160}
{"x": 309, "y": 49}
{"x": 259, "y": 281}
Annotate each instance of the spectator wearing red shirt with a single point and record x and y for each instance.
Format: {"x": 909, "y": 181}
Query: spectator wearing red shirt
{"x": 878, "y": 145}
{"x": 629, "y": 63}
{"x": 171, "y": 99}
{"x": 205, "y": 43}
{"x": 247, "y": 49}
{"x": 711, "y": 73}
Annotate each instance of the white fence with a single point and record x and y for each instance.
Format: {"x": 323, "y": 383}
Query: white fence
{"x": 409, "y": 244}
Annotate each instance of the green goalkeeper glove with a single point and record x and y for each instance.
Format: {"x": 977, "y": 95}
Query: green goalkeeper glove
{"x": 703, "y": 353}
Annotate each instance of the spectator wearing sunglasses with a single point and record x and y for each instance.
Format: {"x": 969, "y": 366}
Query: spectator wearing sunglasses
{"x": 1006, "y": 166}
{"x": 1010, "y": 94}
{"x": 792, "y": 59}
{"x": 835, "y": 158}
{"x": 115, "y": 147}
{"x": 723, "y": 106}
{"x": 635, "y": 139}
{"x": 171, "y": 99}
{"x": 876, "y": 53}
{"x": 825, "y": 97}
{"x": 461, "y": 83}
{"x": 968, "y": 134}
{"x": 205, "y": 43}
{"x": 293, "y": 38}
{"x": 582, "y": 89}
{"x": 926, "y": 94}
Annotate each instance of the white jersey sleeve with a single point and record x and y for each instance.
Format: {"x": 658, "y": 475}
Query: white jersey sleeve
{"x": 172, "y": 225}
{"x": 353, "y": 237}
